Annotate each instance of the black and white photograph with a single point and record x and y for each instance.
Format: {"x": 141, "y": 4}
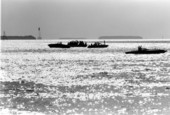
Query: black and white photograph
{"x": 85, "y": 57}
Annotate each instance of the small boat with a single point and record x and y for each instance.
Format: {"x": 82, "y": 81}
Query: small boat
{"x": 58, "y": 45}
{"x": 77, "y": 44}
{"x": 146, "y": 51}
{"x": 98, "y": 45}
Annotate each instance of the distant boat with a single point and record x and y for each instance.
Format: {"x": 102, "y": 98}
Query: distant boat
{"x": 77, "y": 44}
{"x": 58, "y": 45}
{"x": 146, "y": 51}
{"x": 98, "y": 45}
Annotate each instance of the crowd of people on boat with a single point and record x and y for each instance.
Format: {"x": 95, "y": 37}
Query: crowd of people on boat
{"x": 76, "y": 43}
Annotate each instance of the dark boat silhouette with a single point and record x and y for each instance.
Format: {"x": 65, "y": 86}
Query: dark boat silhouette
{"x": 146, "y": 51}
{"x": 58, "y": 45}
{"x": 98, "y": 45}
{"x": 77, "y": 44}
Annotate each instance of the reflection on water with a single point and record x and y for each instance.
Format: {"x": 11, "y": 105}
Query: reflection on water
{"x": 39, "y": 80}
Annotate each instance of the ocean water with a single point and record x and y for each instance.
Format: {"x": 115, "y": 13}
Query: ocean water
{"x": 36, "y": 79}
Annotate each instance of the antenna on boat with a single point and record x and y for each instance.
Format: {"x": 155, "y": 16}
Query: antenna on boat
{"x": 39, "y": 34}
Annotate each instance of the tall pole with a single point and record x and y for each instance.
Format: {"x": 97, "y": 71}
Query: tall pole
{"x": 39, "y": 33}
{"x": 4, "y": 34}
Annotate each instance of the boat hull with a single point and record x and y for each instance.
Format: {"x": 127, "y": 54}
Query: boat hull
{"x": 58, "y": 46}
{"x": 147, "y": 52}
{"x": 77, "y": 46}
{"x": 101, "y": 46}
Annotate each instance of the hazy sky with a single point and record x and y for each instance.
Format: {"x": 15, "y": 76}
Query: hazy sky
{"x": 86, "y": 18}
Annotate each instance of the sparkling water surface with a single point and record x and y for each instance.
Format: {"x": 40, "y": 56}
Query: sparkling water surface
{"x": 36, "y": 79}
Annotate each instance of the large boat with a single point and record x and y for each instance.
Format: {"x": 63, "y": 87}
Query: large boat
{"x": 77, "y": 44}
{"x": 58, "y": 45}
{"x": 146, "y": 51}
{"x": 98, "y": 45}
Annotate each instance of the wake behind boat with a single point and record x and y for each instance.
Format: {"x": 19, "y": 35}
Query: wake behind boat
{"x": 98, "y": 45}
{"x": 58, "y": 45}
{"x": 146, "y": 51}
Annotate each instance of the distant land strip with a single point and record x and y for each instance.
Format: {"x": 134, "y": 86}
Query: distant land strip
{"x": 72, "y": 38}
{"x": 165, "y": 41}
{"x": 29, "y": 37}
{"x": 120, "y": 37}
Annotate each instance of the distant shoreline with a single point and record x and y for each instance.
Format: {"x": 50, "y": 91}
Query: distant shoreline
{"x": 120, "y": 37}
{"x": 99, "y": 40}
{"x": 28, "y": 37}
{"x": 137, "y": 41}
